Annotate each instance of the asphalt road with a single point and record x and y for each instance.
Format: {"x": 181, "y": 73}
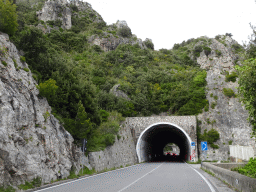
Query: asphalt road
{"x": 146, "y": 177}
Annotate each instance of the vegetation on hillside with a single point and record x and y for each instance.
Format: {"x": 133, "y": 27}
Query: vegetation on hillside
{"x": 76, "y": 77}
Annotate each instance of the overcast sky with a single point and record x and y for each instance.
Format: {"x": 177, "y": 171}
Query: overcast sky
{"x": 167, "y": 22}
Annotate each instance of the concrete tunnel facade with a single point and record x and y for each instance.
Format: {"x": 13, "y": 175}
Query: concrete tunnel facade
{"x": 156, "y": 136}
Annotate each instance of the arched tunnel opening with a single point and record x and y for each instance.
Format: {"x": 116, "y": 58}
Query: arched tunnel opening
{"x": 152, "y": 141}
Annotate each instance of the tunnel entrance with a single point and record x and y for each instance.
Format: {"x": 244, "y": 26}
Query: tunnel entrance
{"x": 152, "y": 141}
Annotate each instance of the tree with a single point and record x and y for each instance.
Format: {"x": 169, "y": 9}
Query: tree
{"x": 8, "y": 17}
{"x": 82, "y": 124}
{"x": 48, "y": 88}
{"x": 247, "y": 87}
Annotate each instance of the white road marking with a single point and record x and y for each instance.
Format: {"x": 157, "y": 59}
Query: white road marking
{"x": 139, "y": 178}
{"x": 82, "y": 178}
{"x": 210, "y": 186}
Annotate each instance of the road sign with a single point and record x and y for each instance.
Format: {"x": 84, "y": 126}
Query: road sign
{"x": 193, "y": 144}
{"x": 84, "y": 143}
{"x": 204, "y": 146}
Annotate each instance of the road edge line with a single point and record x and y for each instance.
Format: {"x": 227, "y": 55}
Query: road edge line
{"x": 208, "y": 183}
{"x": 80, "y": 179}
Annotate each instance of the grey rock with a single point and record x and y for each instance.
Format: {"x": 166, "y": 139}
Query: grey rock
{"x": 230, "y": 115}
{"x": 27, "y": 150}
{"x": 118, "y": 93}
{"x": 53, "y": 10}
{"x": 111, "y": 43}
{"x": 121, "y": 24}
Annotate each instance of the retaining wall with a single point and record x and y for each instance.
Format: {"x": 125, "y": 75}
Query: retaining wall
{"x": 240, "y": 182}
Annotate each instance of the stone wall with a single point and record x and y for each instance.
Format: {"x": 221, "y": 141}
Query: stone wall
{"x": 122, "y": 153}
{"x": 187, "y": 123}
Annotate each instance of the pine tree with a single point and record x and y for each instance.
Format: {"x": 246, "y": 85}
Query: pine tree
{"x": 83, "y": 124}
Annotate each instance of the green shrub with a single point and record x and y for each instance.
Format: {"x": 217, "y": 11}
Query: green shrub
{"x": 22, "y": 59}
{"x": 198, "y": 49}
{"x": 149, "y": 44}
{"x": 230, "y": 142}
{"x": 215, "y": 97}
{"x": 228, "y": 92}
{"x": 15, "y": 63}
{"x": 7, "y": 189}
{"x": 211, "y": 95}
{"x": 125, "y": 32}
{"x": 231, "y": 77}
{"x": 218, "y": 52}
{"x": 42, "y": 22}
{"x": 60, "y": 29}
{"x": 211, "y": 137}
{"x": 48, "y": 88}
{"x": 46, "y": 115}
{"x": 249, "y": 169}
{"x": 4, "y": 63}
{"x": 207, "y": 50}
{"x": 26, "y": 69}
{"x": 213, "y": 105}
{"x": 206, "y": 108}
{"x": 35, "y": 183}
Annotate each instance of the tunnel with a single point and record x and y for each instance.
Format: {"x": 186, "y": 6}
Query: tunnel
{"x": 154, "y": 138}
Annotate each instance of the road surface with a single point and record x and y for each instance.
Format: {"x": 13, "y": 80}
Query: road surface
{"x": 146, "y": 177}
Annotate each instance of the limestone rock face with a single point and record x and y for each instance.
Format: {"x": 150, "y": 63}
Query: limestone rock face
{"x": 31, "y": 143}
{"x": 118, "y": 93}
{"x": 111, "y": 43}
{"x": 61, "y": 9}
{"x": 229, "y": 114}
{"x": 53, "y": 10}
{"x": 121, "y": 24}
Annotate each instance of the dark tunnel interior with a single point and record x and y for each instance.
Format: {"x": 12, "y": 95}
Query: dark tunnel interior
{"x": 158, "y": 136}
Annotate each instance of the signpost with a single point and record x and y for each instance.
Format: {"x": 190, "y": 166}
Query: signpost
{"x": 84, "y": 143}
{"x": 193, "y": 148}
{"x": 204, "y": 148}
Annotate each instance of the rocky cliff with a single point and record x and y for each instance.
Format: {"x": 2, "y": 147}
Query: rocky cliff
{"x": 32, "y": 142}
{"x": 226, "y": 114}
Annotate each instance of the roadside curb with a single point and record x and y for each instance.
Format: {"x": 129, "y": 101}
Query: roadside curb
{"x": 238, "y": 181}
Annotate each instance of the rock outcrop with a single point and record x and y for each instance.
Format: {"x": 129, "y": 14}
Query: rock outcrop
{"x": 118, "y": 93}
{"x": 228, "y": 117}
{"x": 108, "y": 42}
{"x": 32, "y": 141}
{"x": 62, "y": 10}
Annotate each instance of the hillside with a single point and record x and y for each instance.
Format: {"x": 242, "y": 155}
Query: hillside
{"x": 67, "y": 65}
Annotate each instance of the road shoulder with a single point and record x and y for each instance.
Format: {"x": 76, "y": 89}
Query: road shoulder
{"x": 219, "y": 185}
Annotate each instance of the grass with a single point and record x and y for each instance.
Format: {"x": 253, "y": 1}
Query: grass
{"x": 209, "y": 172}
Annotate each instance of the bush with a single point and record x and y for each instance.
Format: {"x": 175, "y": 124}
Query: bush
{"x": 249, "y": 169}
{"x": 213, "y": 105}
{"x": 8, "y": 17}
{"x": 228, "y": 92}
{"x": 198, "y": 49}
{"x": 231, "y": 77}
{"x": 48, "y": 88}
{"x": 149, "y": 44}
{"x": 207, "y": 50}
{"x": 218, "y": 52}
{"x": 230, "y": 142}
{"x": 211, "y": 137}
{"x": 4, "y": 63}
{"x": 26, "y": 69}
{"x": 125, "y": 32}
{"x": 22, "y": 59}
